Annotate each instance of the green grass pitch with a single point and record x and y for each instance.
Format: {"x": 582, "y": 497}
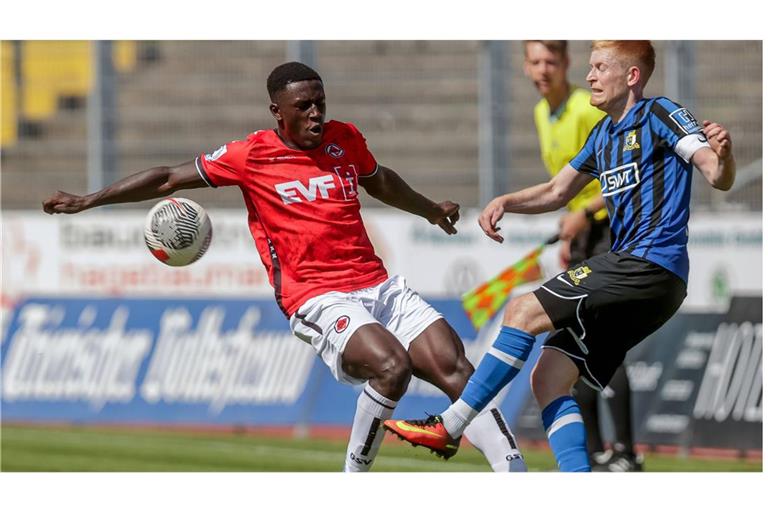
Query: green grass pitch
{"x": 64, "y": 448}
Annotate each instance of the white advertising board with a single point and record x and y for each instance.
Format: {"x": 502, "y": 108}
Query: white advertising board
{"x": 103, "y": 253}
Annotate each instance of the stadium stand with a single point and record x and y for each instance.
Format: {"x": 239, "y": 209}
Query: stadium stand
{"x": 8, "y": 87}
{"x": 416, "y": 102}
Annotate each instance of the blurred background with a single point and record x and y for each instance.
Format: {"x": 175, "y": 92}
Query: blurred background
{"x": 88, "y": 317}
{"x": 422, "y": 105}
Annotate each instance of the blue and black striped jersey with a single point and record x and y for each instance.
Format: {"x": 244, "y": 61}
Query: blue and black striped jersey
{"x": 643, "y": 165}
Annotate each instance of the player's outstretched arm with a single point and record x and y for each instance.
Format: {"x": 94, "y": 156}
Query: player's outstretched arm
{"x": 149, "y": 184}
{"x": 388, "y": 187}
{"x": 545, "y": 197}
{"x": 717, "y": 164}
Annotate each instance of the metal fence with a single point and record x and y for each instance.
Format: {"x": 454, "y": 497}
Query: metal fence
{"x": 417, "y": 102}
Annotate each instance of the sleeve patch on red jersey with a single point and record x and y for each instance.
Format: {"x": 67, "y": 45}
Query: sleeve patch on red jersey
{"x": 212, "y": 157}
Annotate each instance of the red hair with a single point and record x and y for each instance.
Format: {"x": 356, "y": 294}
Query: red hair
{"x": 632, "y": 53}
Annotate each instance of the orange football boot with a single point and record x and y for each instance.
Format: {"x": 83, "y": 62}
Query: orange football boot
{"x": 429, "y": 433}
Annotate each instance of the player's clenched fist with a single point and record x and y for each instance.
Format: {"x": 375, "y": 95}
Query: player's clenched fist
{"x": 719, "y": 138}
{"x": 490, "y": 217}
{"x": 62, "y": 202}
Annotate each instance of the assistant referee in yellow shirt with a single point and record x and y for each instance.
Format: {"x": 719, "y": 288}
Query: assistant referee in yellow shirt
{"x": 564, "y": 119}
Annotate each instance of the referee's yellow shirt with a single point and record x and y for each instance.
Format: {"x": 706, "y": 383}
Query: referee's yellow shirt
{"x": 562, "y": 134}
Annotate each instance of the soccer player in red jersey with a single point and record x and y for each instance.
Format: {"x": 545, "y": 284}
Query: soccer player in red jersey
{"x": 300, "y": 187}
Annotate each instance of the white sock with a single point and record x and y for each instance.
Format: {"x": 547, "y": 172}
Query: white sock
{"x": 457, "y": 417}
{"x": 490, "y": 434}
{"x": 367, "y": 434}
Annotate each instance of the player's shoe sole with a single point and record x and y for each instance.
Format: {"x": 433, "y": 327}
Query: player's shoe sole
{"x": 429, "y": 433}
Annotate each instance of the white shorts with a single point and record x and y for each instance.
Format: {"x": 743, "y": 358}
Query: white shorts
{"x": 328, "y": 321}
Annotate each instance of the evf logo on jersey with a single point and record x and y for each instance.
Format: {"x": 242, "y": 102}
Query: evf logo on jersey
{"x": 619, "y": 179}
{"x": 293, "y": 191}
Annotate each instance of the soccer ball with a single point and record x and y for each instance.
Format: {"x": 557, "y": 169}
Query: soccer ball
{"x": 177, "y": 231}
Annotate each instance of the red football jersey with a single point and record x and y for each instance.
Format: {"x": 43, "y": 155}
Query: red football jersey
{"x": 303, "y": 210}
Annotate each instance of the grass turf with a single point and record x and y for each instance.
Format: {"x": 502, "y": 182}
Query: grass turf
{"x": 63, "y": 448}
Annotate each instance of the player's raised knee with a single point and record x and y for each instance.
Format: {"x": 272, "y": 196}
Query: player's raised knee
{"x": 393, "y": 373}
{"x": 526, "y": 314}
{"x": 463, "y": 369}
{"x": 454, "y": 380}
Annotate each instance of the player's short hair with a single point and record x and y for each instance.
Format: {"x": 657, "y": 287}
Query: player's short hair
{"x": 633, "y": 53}
{"x": 558, "y": 47}
{"x": 289, "y": 73}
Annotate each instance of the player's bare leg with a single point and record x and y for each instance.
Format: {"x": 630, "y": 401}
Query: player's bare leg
{"x": 553, "y": 376}
{"x": 373, "y": 354}
{"x": 437, "y": 356}
{"x": 524, "y": 317}
{"x": 526, "y": 314}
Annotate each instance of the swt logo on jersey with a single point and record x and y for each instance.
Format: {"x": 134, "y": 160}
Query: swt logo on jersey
{"x": 619, "y": 179}
{"x": 293, "y": 191}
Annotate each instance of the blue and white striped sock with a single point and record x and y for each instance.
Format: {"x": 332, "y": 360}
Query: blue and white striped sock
{"x": 499, "y": 366}
{"x": 567, "y": 435}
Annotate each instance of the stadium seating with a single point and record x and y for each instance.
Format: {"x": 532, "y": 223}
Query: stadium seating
{"x": 8, "y": 88}
{"x": 416, "y": 102}
{"x": 52, "y": 73}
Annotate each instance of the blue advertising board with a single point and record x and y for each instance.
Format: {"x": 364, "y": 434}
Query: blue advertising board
{"x": 164, "y": 361}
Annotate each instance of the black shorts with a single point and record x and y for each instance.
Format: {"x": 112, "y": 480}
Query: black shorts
{"x": 606, "y": 305}
{"x": 594, "y": 240}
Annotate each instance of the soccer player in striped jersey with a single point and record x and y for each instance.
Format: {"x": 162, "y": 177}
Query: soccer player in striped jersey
{"x": 300, "y": 184}
{"x": 564, "y": 119}
{"x": 643, "y": 153}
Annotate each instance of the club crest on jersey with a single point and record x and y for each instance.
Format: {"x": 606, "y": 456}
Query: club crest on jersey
{"x": 334, "y": 150}
{"x": 579, "y": 274}
{"x": 341, "y": 324}
{"x": 630, "y": 141}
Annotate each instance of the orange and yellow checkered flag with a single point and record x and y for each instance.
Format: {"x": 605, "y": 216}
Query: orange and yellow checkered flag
{"x": 482, "y": 303}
